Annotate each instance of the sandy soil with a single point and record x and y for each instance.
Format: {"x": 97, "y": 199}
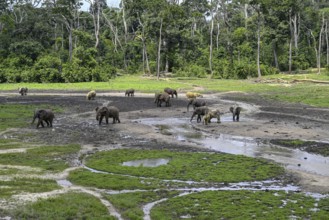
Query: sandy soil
{"x": 262, "y": 119}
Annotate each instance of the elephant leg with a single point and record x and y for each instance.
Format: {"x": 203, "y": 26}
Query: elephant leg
{"x": 118, "y": 119}
{"x": 237, "y": 117}
{"x": 198, "y": 118}
{"x": 100, "y": 119}
{"x": 107, "y": 119}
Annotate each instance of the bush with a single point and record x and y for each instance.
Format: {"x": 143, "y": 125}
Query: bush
{"x": 192, "y": 70}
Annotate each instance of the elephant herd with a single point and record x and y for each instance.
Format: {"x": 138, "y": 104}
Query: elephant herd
{"x": 200, "y": 109}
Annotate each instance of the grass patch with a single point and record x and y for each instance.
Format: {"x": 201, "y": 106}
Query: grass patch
{"x": 66, "y": 206}
{"x": 238, "y": 205}
{"x": 48, "y": 158}
{"x": 18, "y": 116}
{"x": 26, "y": 185}
{"x": 212, "y": 167}
{"x": 130, "y": 204}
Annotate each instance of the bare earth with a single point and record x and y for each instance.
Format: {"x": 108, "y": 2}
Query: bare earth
{"x": 262, "y": 119}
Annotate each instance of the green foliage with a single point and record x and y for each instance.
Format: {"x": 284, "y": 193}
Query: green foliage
{"x": 186, "y": 166}
{"x": 239, "y": 205}
{"x": 50, "y": 158}
{"x": 64, "y": 207}
{"x": 192, "y": 70}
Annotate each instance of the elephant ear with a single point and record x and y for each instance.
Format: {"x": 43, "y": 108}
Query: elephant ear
{"x": 96, "y": 109}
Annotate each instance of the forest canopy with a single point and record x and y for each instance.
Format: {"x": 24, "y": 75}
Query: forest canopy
{"x": 57, "y": 41}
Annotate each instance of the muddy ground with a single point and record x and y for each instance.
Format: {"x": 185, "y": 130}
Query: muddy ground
{"x": 263, "y": 119}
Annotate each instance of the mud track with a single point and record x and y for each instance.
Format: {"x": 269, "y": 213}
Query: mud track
{"x": 264, "y": 119}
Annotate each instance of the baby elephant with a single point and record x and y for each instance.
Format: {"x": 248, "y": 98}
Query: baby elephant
{"x": 171, "y": 92}
{"x": 236, "y": 113}
{"x": 130, "y": 92}
{"x": 44, "y": 115}
{"x": 212, "y": 114}
{"x": 195, "y": 103}
{"x": 200, "y": 111}
{"x": 91, "y": 95}
{"x": 23, "y": 90}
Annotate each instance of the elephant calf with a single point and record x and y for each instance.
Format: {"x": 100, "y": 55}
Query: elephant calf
{"x": 195, "y": 103}
{"x": 236, "y": 113}
{"x": 130, "y": 92}
{"x": 91, "y": 95}
{"x": 171, "y": 92}
{"x": 23, "y": 90}
{"x": 212, "y": 114}
{"x": 44, "y": 115}
{"x": 200, "y": 111}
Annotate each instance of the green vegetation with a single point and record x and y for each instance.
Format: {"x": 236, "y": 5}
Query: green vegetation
{"x": 25, "y": 185}
{"x": 213, "y": 167}
{"x": 240, "y": 205}
{"x": 130, "y": 204}
{"x": 63, "y": 207}
{"x": 48, "y": 158}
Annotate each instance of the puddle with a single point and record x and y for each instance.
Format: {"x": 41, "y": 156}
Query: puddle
{"x": 146, "y": 162}
{"x": 64, "y": 183}
{"x": 293, "y": 159}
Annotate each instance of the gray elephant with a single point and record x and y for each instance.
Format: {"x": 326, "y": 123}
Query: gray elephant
{"x": 211, "y": 114}
{"x": 236, "y": 113}
{"x": 45, "y": 115}
{"x": 162, "y": 97}
{"x": 130, "y": 92}
{"x": 23, "y": 90}
{"x": 114, "y": 113}
{"x": 195, "y": 103}
{"x": 102, "y": 112}
{"x": 171, "y": 92}
{"x": 200, "y": 111}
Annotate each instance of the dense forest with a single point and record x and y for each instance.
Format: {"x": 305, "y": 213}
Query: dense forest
{"x": 57, "y": 41}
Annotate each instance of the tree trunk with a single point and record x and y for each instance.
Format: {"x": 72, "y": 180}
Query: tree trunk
{"x": 290, "y": 56}
{"x": 258, "y": 46}
{"x": 275, "y": 55}
{"x": 210, "y": 44}
{"x": 327, "y": 42}
{"x": 159, "y": 51}
{"x": 320, "y": 44}
{"x": 217, "y": 36}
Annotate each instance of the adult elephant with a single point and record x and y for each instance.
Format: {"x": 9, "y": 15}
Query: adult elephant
{"x": 45, "y": 115}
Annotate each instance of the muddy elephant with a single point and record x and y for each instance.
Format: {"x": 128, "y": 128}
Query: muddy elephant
{"x": 45, "y": 115}
{"x": 130, "y": 92}
{"x": 193, "y": 95}
{"x": 162, "y": 97}
{"x": 102, "y": 112}
{"x": 171, "y": 92}
{"x": 195, "y": 103}
{"x": 22, "y": 90}
{"x": 199, "y": 111}
{"x": 91, "y": 95}
{"x": 211, "y": 114}
{"x": 236, "y": 113}
{"x": 107, "y": 112}
{"x": 114, "y": 113}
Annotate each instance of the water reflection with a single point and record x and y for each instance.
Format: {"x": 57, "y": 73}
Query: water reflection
{"x": 291, "y": 158}
{"x": 146, "y": 162}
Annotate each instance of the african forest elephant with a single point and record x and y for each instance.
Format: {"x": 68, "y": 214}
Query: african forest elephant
{"x": 211, "y": 114}
{"x": 130, "y": 92}
{"x": 203, "y": 110}
{"x": 23, "y": 90}
{"x": 162, "y": 97}
{"x": 91, "y": 95}
{"x": 195, "y": 103}
{"x": 107, "y": 112}
{"x": 44, "y": 115}
{"x": 193, "y": 95}
{"x": 171, "y": 92}
{"x": 236, "y": 113}
{"x": 102, "y": 112}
